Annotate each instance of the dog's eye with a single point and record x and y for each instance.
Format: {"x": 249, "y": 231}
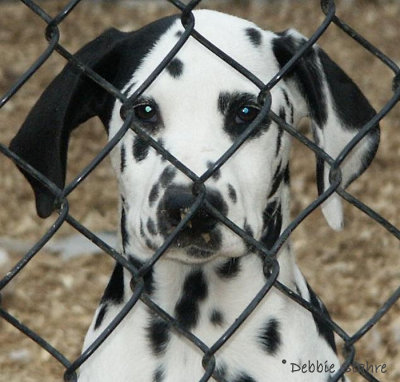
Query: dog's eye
{"x": 146, "y": 113}
{"x": 246, "y": 114}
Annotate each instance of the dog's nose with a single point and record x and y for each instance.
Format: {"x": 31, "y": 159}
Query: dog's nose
{"x": 177, "y": 202}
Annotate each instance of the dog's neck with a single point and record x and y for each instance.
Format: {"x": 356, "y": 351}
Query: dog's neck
{"x": 184, "y": 290}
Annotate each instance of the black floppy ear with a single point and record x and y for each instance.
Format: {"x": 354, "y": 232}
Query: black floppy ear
{"x": 71, "y": 99}
{"x": 338, "y": 110}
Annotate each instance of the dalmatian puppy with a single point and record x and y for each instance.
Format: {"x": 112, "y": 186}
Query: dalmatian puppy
{"x": 196, "y": 109}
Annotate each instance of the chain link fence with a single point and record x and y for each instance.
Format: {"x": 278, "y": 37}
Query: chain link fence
{"x": 52, "y": 33}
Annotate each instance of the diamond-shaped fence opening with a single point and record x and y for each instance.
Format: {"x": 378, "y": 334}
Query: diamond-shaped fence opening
{"x": 17, "y": 80}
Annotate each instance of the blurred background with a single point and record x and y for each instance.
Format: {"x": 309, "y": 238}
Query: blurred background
{"x": 354, "y": 271}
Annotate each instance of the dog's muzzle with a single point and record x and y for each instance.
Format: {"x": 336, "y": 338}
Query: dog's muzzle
{"x": 201, "y": 236}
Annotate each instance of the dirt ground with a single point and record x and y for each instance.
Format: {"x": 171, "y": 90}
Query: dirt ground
{"x": 354, "y": 271}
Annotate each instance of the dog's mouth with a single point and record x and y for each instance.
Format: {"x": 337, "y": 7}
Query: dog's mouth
{"x": 200, "y": 238}
{"x": 198, "y": 243}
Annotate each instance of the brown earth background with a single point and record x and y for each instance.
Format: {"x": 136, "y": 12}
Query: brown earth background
{"x": 354, "y": 271}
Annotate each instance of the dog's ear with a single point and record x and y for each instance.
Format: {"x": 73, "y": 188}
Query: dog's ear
{"x": 337, "y": 109}
{"x": 70, "y": 99}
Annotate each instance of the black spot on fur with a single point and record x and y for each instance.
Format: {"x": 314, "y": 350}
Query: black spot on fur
{"x": 323, "y": 329}
{"x": 100, "y": 316}
{"x": 175, "y": 68}
{"x": 279, "y": 140}
{"x": 229, "y": 268}
{"x": 158, "y": 375}
{"x": 158, "y": 333}
{"x": 217, "y": 174}
{"x": 124, "y": 232}
{"x": 216, "y": 317}
{"x": 195, "y": 290}
{"x": 282, "y": 115}
{"x": 179, "y": 34}
{"x": 154, "y": 192}
{"x": 255, "y": 36}
{"x": 269, "y": 337}
{"x": 223, "y": 102}
{"x": 244, "y": 377}
{"x": 167, "y": 176}
{"x": 272, "y": 218}
{"x": 114, "y": 291}
{"x": 151, "y": 227}
{"x": 123, "y": 158}
{"x": 142, "y": 234}
{"x": 286, "y": 175}
{"x": 291, "y": 114}
{"x": 249, "y": 231}
{"x": 276, "y": 180}
{"x": 140, "y": 148}
{"x": 232, "y": 193}
{"x": 289, "y": 105}
{"x": 147, "y": 278}
{"x": 286, "y": 97}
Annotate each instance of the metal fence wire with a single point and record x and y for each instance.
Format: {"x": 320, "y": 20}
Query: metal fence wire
{"x": 138, "y": 274}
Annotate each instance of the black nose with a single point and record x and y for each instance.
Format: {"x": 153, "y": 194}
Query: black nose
{"x": 176, "y": 204}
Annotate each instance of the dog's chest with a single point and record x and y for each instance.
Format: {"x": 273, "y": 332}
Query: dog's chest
{"x": 145, "y": 348}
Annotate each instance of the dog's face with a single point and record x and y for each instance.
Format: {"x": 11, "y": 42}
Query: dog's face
{"x": 196, "y": 109}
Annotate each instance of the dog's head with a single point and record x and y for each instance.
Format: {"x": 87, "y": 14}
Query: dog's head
{"x": 196, "y": 109}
